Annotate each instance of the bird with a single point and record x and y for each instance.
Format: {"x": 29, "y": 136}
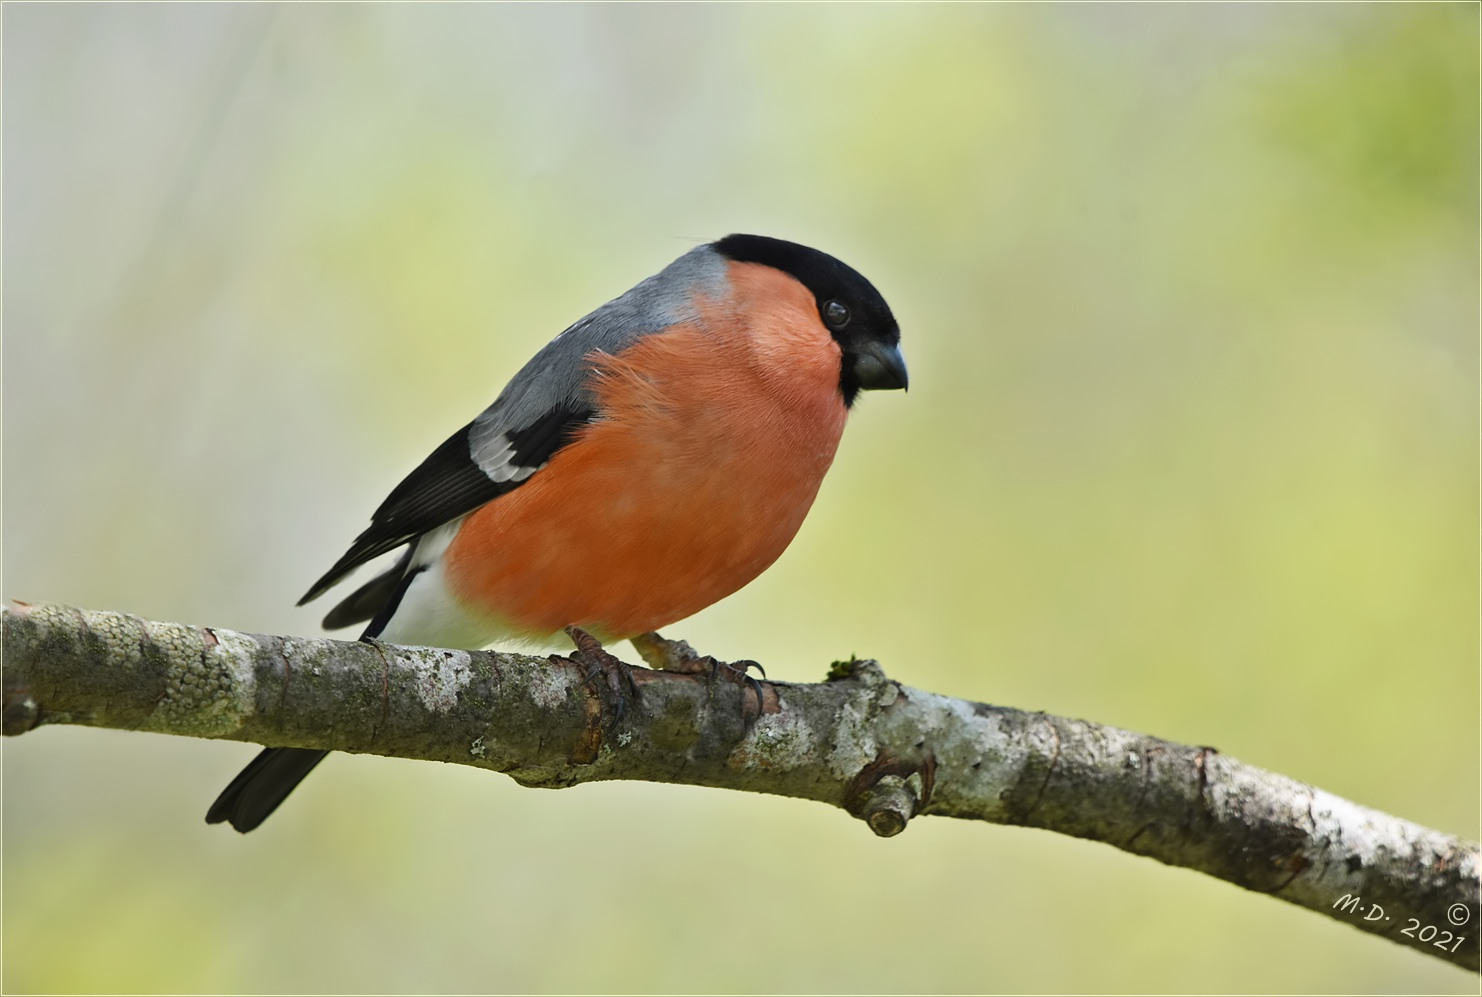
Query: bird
{"x": 647, "y": 462}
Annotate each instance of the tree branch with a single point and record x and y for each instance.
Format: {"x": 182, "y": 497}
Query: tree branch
{"x": 882, "y": 751}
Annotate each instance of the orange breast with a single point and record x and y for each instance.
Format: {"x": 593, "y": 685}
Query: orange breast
{"x": 713, "y": 440}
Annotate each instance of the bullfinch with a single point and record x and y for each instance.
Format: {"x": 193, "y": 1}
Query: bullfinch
{"x": 650, "y": 460}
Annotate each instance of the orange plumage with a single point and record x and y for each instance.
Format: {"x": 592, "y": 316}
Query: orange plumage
{"x": 713, "y": 441}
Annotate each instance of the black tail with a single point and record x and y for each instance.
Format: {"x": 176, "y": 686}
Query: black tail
{"x": 268, "y": 779}
{"x": 262, "y": 785}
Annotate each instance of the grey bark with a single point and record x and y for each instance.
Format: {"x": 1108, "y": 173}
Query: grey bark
{"x": 882, "y": 751}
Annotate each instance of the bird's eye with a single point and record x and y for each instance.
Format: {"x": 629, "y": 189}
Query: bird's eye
{"x": 836, "y": 314}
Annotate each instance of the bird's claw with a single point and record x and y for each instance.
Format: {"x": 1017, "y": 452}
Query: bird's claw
{"x": 619, "y": 675}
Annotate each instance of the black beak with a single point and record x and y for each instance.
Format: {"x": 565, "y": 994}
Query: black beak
{"x": 879, "y": 367}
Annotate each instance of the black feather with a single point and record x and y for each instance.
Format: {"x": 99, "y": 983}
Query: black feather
{"x": 364, "y": 602}
{"x": 266, "y": 782}
{"x": 446, "y": 485}
{"x": 443, "y": 487}
{"x": 538, "y": 442}
{"x": 387, "y": 609}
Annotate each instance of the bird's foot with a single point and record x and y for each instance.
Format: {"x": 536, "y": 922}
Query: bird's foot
{"x": 619, "y": 676}
{"x": 678, "y": 656}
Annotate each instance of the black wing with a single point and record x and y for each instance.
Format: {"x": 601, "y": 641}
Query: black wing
{"x": 446, "y": 485}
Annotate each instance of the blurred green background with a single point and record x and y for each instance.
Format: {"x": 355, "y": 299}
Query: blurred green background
{"x": 1189, "y": 295}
